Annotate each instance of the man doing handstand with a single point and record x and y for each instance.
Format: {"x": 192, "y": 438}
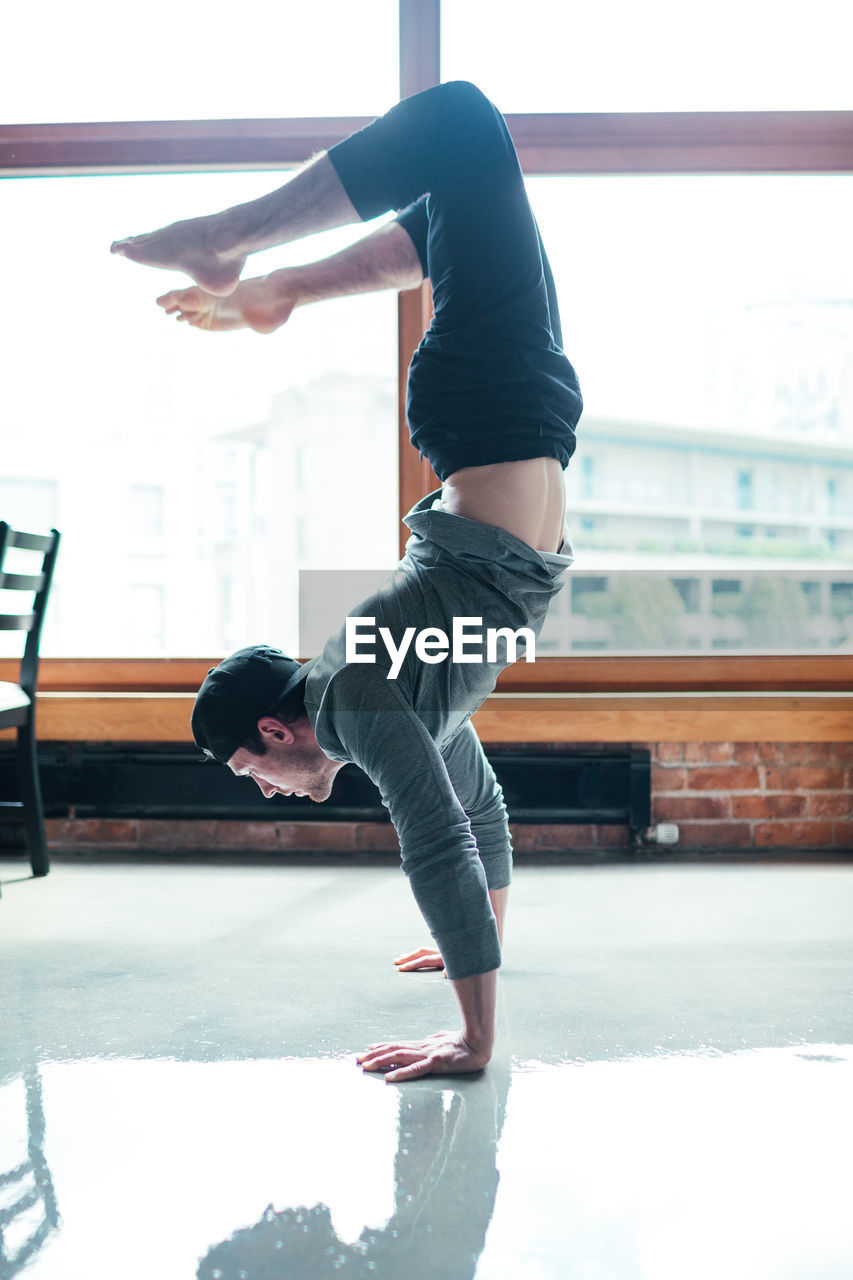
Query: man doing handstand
{"x": 492, "y": 403}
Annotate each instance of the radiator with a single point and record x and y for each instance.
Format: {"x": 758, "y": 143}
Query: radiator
{"x": 606, "y": 785}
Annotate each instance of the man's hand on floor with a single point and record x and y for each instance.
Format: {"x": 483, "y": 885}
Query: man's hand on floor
{"x": 445, "y": 1053}
{"x": 416, "y": 961}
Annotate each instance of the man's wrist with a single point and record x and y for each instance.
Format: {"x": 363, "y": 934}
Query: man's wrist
{"x": 477, "y": 996}
{"x": 480, "y": 1047}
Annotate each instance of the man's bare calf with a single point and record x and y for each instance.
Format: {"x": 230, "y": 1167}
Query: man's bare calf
{"x": 212, "y": 250}
{"x": 385, "y": 259}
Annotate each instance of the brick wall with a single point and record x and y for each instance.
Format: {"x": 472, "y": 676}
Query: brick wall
{"x": 724, "y": 796}
{"x": 755, "y": 795}
{"x": 128, "y": 835}
{"x": 155, "y": 835}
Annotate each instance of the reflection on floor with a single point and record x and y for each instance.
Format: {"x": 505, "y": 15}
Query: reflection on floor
{"x": 178, "y": 1095}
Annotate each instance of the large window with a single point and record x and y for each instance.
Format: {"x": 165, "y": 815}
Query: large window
{"x": 701, "y": 262}
{"x": 98, "y": 61}
{"x": 711, "y": 320}
{"x": 663, "y": 55}
{"x": 200, "y": 470}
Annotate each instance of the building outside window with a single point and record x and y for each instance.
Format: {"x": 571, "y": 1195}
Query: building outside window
{"x": 146, "y": 511}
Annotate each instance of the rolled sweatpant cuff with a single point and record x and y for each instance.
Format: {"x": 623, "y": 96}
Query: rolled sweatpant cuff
{"x": 470, "y": 953}
{"x": 356, "y": 162}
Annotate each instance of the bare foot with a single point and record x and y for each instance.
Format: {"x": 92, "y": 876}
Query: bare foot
{"x": 185, "y": 246}
{"x": 262, "y": 304}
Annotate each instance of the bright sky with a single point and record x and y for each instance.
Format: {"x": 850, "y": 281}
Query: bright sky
{"x": 102, "y": 61}
{"x": 97, "y": 60}
{"x": 661, "y": 55}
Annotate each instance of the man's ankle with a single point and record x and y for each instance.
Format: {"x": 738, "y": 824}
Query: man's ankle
{"x": 221, "y": 235}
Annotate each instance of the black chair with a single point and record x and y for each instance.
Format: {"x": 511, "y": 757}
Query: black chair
{"x": 18, "y": 701}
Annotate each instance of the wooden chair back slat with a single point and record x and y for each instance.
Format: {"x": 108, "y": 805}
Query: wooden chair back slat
{"x": 30, "y": 541}
{"x": 17, "y": 621}
{"x": 21, "y": 581}
{"x": 47, "y": 544}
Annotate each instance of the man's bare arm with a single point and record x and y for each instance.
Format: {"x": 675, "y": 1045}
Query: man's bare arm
{"x": 385, "y": 259}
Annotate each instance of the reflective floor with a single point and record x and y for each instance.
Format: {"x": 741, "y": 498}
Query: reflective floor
{"x": 670, "y": 1099}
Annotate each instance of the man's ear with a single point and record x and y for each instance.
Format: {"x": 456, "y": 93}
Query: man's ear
{"x": 274, "y": 730}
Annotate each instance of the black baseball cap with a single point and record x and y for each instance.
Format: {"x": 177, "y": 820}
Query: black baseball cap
{"x": 235, "y": 695}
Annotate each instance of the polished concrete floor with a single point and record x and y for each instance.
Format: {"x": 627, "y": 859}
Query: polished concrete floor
{"x": 670, "y": 1098}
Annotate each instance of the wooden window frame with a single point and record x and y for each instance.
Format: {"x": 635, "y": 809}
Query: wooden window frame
{"x": 581, "y": 697}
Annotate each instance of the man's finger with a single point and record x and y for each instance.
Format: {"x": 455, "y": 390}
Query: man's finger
{"x": 371, "y": 1052}
{"x": 391, "y": 1044}
{"x": 425, "y": 958}
{"x": 393, "y": 1058}
{"x": 409, "y": 1073}
{"x": 376, "y": 1050}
